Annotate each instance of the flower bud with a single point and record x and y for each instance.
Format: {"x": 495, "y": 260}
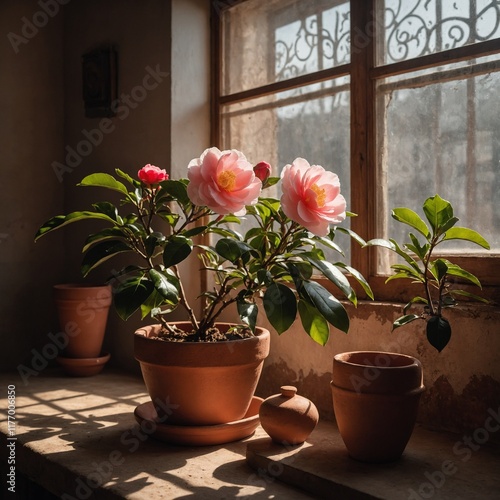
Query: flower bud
{"x": 262, "y": 171}
{"x": 150, "y": 174}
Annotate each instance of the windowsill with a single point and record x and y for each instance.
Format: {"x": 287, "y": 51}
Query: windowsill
{"x": 76, "y": 435}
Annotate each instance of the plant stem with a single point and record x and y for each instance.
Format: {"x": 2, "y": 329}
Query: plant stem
{"x": 183, "y": 300}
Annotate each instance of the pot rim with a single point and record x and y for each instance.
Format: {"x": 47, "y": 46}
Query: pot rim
{"x": 73, "y": 286}
{"x": 340, "y": 358}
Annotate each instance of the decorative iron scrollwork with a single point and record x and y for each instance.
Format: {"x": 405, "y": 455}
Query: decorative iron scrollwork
{"x": 417, "y": 28}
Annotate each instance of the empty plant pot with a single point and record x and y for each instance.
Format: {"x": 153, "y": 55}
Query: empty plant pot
{"x": 83, "y": 314}
{"x": 375, "y": 400}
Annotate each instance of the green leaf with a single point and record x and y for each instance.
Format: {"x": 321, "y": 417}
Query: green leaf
{"x": 455, "y": 270}
{"x": 195, "y": 231}
{"x": 248, "y": 312}
{"x": 151, "y": 242}
{"x": 232, "y": 250}
{"x": 406, "y": 256}
{"x": 438, "y": 332}
{"x": 313, "y": 323}
{"x": 63, "y": 220}
{"x": 438, "y": 212}
{"x": 352, "y": 234}
{"x": 101, "y": 252}
{"x": 464, "y": 233}
{"x": 404, "y": 320}
{"x": 469, "y": 295}
{"x": 410, "y": 271}
{"x": 176, "y": 189}
{"x": 177, "y": 248}
{"x": 151, "y": 304}
{"x": 415, "y": 300}
{"x": 411, "y": 218}
{"x": 135, "y": 183}
{"x": 328, "y": 306}
{"x": 336, "y": 276}
{"x": 280, "y": 306}
{"x": 107, "y": 208}
{"x": 130, "y": 295}
{"x": 105, "y": 181}
{"x": 439, "y": 269}
{"x": 358, "y": 277}
{"x": 448, "y": 225}
{"x": 380, "y": 242}
{"x": 416, "y": 248}
{"x": 105, "y": 234}
{"x": 166, "y": 285}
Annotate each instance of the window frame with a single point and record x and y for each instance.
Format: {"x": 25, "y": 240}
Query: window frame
{"x": 364, "y": 74}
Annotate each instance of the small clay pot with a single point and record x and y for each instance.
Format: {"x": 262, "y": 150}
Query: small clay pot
{"x": 287, "y": 417}
{"x": 83, "y": 313}
{"x": 375, "y": 400}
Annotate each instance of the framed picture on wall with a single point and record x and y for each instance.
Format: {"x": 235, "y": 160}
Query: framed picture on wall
{"x": 99, "y": 79}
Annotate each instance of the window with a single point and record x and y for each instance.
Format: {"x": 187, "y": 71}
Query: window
{"x": 399, "y": 98}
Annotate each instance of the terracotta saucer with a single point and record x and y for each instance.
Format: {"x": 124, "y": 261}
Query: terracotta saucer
{"x": 203, "y": 435}
{"x": 83, "y": 367}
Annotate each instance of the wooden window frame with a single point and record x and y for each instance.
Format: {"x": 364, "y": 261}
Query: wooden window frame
{"x": 364, "y": 75}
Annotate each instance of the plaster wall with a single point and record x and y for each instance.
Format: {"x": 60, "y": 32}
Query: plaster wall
{"x": 31, "y": 137}
{"x": 166, "y": 125}
{"x": 462, "y": 382}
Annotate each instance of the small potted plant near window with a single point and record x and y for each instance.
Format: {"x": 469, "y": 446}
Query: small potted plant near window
{"x": 376, "y": 394}
{"x": 202, "y": 373}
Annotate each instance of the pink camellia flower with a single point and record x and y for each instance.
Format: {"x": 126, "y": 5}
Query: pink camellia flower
{"x": 262, "y": 170}
{"x": 150, "y": 174}
{"x": 311, "y": 196}
{"x": 224, "y": 181}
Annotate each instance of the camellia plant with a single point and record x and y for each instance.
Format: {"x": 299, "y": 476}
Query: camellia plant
{"x": 275, "y": 260}
{"x": 434, "y": 274}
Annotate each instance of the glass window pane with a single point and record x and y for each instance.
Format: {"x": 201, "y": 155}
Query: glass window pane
{"x": 413, "y": 28}
{"x": 265, "y": 42}
{"x": 311, "y": 122}
{"x": 442, "y": 137}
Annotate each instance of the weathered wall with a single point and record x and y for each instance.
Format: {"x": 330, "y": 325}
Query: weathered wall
{"x": 137, "y": 135}
{"x": 462, "y": 382}
{"x": 31, "y": 137}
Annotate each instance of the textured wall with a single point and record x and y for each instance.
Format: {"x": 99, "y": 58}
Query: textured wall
{"x": 462, "y": 382}
{"x": 31, "y": 138}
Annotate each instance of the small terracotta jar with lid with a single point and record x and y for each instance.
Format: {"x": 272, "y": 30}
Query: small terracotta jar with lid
{"x": 287, "y": 417}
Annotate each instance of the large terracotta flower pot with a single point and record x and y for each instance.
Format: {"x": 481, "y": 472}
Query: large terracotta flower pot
{"x": 83, "y": 313}
{"x": 200, "y": 383}
{"x": 375, "y": 400}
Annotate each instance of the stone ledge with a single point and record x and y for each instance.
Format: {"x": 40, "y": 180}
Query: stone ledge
{"x": 433, "y": 466}
{"x": 77, "y": 438}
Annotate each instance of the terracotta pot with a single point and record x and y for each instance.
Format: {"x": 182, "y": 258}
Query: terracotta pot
{"x": 375, "y": 400}
{"x": 83, "y": 313}
{"x": 287, "y": 417}
{"x": 200, "y": 383}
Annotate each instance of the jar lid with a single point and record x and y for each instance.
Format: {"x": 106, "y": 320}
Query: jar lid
{"x": 288, "y": 391}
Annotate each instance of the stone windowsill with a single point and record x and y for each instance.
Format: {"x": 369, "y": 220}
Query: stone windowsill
{"x": 77, "y": 438}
